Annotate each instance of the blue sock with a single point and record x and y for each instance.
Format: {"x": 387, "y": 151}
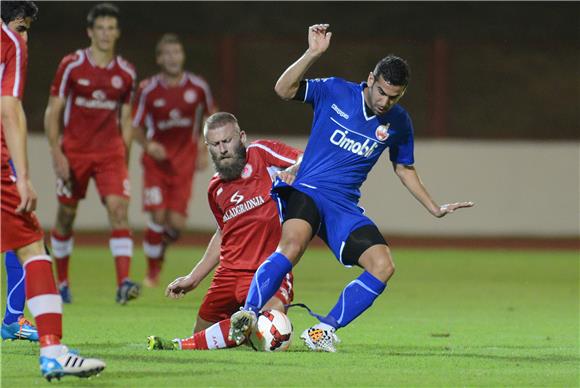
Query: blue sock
{"x": 267, "y": 280}
{"x": 14, "y": 289}
{"x": 356, "y": 297}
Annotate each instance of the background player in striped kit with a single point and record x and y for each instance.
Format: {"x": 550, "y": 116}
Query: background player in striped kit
{"x": 248, "y": 230}
{"x": 89, "y": 89}
{"x": 21, "y": 231}
{"x": 167, "y": 116}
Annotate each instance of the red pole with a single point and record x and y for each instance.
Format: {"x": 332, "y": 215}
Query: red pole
{"x": 439, "y": 96}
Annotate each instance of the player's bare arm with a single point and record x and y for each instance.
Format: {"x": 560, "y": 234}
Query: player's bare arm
{"x": 410, "y": 179}
{"x": 318, "y": 42}
{"x": 52, "y": 128}
{"x": 127, "y": 128}
{"x": 151, "y": 148}
{"x": 14, "y": 124}
{"x": 184, "y": 284}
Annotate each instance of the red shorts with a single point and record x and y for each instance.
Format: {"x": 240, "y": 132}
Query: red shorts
{"x": 17, "y": 230}
{"x": 228, "y": 291}
{"x": 109, "y": 171}
{"x": 165, "y": 190}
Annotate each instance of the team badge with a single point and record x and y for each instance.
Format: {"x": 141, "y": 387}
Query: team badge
{"x": 99, "y": 95}
{"x": 382, "y": 132}
{"x": 190, "y": 96}
{"x": 159, "y": 103}
{"x": 247, "y": 171}
{"x": 117, "y": 82}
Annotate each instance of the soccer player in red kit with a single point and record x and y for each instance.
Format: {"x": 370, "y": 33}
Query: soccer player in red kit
{"x": 247, "y": 233}
{"x": 20, "y": 230}
{"x": 170, "y": 107}
{"x": 91, "y": 86}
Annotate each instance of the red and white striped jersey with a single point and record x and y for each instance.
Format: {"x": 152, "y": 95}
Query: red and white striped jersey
{"x": 94, "y": 96}
{"x": 172, "y": 114}
{"x": 246, "y": 214}
{"x": 12, "y": 74}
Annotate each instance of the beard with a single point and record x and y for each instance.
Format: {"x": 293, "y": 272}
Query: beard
{"x": 232, "y": 170}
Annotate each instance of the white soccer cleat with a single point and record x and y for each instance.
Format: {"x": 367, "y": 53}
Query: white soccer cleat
{"x": 70, "y": 364}
{"x": 242, "y": 323}
{"x": 320, "y": 340}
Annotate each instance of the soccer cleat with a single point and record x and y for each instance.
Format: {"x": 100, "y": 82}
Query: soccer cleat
{"x": 158, "y": 343}
{"x": 127, "y": 291}
{"x": 65, "y": 294}
{"x": 70, "y": 364}
{"x": 21, "y": 330}
{"x": 320, "y": 340}
{"x": 242, "y": 323}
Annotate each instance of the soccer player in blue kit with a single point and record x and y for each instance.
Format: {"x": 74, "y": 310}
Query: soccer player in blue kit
{"x": 353, "y": 124}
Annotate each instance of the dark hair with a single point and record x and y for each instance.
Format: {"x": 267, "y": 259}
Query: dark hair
{"x": 13, "y": 10}
{"x": 102, "y": 10}
{"x": 395, "y": 70}
{"x": 219, "y": 119}
{"x": 166, "y": 39}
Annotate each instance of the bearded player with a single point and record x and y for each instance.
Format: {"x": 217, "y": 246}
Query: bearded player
{"x": 20, "y": 229}
{"x": 247, "y": 233}
{"x": 170, "y": 106}
{"x": 90, "y": 98}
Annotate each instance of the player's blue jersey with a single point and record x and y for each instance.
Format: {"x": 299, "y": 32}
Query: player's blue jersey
{"x": 345, "y": 143}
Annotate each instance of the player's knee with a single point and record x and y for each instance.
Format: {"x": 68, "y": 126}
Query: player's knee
{"x": 118, "y": 213}
{"x": 65, "y": 218}
{"x": 382, "y": 267}
{"x": 292, "y": 246}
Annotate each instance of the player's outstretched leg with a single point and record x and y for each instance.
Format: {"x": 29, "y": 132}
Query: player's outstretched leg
{"x": 14, "y": 325}
{"x": 212, "y": 338}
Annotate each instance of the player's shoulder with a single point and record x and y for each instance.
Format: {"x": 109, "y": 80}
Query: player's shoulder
{"x": 149, "y": 83}
{"x": 11, "y": 39}
{"x": 196, "y": 79}
{"x": 126, "y": 66}
{"x": 214, "y": 184}
{"x": 75, "y": 57}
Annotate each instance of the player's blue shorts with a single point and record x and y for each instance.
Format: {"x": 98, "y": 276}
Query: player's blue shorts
{"x": 338, "y": 217}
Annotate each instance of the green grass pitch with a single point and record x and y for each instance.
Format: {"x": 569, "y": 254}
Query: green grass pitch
{"x": 448, "y": 318}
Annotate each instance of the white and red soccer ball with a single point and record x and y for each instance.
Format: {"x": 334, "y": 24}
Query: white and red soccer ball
{"x": 273, "y": 331}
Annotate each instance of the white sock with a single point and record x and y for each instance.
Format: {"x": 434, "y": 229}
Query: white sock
{"x": 53, "y": 351}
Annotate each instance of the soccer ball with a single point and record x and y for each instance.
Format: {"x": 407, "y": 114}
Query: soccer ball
{"x": 273, "y": 332}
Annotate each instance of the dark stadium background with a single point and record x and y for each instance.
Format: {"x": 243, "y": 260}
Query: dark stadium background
{"x": 510, "y": 67}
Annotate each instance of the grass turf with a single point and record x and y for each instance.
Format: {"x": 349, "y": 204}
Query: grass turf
{"x": 448, "y": 318}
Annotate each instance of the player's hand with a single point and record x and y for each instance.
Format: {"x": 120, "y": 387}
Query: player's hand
{"x": 451, "y": 207}
{"x": 60, "y": 164}
{"x": 156, "y": 151}
{"x": 27, "y": 194}
{"x": 286, "y": 176}
{"x": 179, "y": 287}
{"x": 318, "y": 38}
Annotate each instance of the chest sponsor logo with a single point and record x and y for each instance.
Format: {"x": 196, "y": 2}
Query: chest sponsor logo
{"x": 190, "y": 96}
{"x": 98, "y": 100}
{"x": 117, "y": 82}
{"x": 237, "y": 198}
{"x": 382, "y": 132}
{"x": 158, "y": 103}
{"x": 339, "y": 112}
{"x": 247, "y": 171}
{"x": 175, "y": 120}
{"x": 83, "y": 82}
{"x": 341, "y": 138}
{"x": 243, "y": 207}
